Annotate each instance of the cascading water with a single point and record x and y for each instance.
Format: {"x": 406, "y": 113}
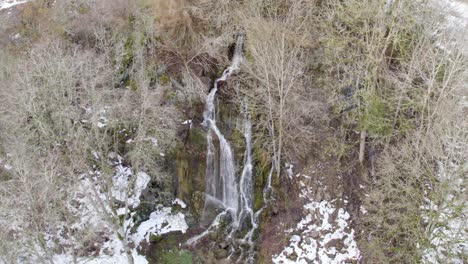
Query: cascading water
{"x": 223, "y": 189}
{"x": 221, "y": 186}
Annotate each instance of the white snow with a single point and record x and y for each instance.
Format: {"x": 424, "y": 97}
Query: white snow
{"x": 15, "y": 37}
{"x": 101, "y": 124}
{"x": 447, "y": 227}
{"x": 363, "y": 210}
{"x": 322, "y": 236}
{"x": 179, "y": 202}
{"x": 161, "y": 221}
{"x": 119, "y": 255}
{"x": 122, "y": 186}
{"x": 289, "y": 169}
{"x": 5, "y": 4}
{"x": 457, "y": 12}
{"x": 100, "y": 117}
{"x": 87, "y": 201}
{"x": 453, "y": 32}
{"x": 92, "y": 207}
{"x": 315, "y": 232}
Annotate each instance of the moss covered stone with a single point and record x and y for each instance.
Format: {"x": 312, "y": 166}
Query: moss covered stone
{"x": 190, "y": 168}
{"x": 165, "y": 249}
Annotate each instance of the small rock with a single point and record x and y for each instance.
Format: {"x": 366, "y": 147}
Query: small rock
{"x": 333, "y": 216}
{"x": 339, "y": 245}
{"x": 334, "y": 243}
{"x": 314, "y": 234}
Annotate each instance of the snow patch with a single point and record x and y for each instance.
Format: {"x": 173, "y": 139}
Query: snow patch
{"x": 179, "y": 202}
{"x": 122, "y": 183}
{"x": 289, "y": 169}
{"x": 160, "y": 222}
{"x": 92, "y": 207}
{"x": 5, "y": 4}
{"x": 452, "y": 32}
{"x": 113, "y": 245}
{"x": 322, "y": 236}
{"x": 446, "y": 220}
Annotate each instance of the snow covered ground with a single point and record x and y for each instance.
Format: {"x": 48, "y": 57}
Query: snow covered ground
{"x": 457, "y": 11}
{"x": 161, "y": 221}
{"x": 92, "y": 207}
{"x": 322, "y": 236}
{"x": 5, "y": 4}
{"x": 446, "y": 218}
{"x": 454, "y": 31}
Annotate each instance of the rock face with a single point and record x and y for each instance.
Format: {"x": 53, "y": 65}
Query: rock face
{"x": 190, "y": 169}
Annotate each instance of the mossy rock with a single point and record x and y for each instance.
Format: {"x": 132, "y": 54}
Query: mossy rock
{"x": 197, "y": 202}
{"x": 165, "y": 249}
{"x": 190, "y": 165}
{"x": 155, "y": 238}
{"x": 187, "y": 161}
{"x": 237, "y": 141}
{"x": 176, "y": 257}
{"x": 261, "y": 173}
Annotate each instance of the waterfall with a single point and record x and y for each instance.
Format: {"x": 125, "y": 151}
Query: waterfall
{"x": 221, "y": 184}
{"x": 246, "y": 181}
{"x": 223, "y": 190}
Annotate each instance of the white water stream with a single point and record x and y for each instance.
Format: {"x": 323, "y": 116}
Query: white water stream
{"x": 223, "y": 188}
{"x": 221, "y": 185}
